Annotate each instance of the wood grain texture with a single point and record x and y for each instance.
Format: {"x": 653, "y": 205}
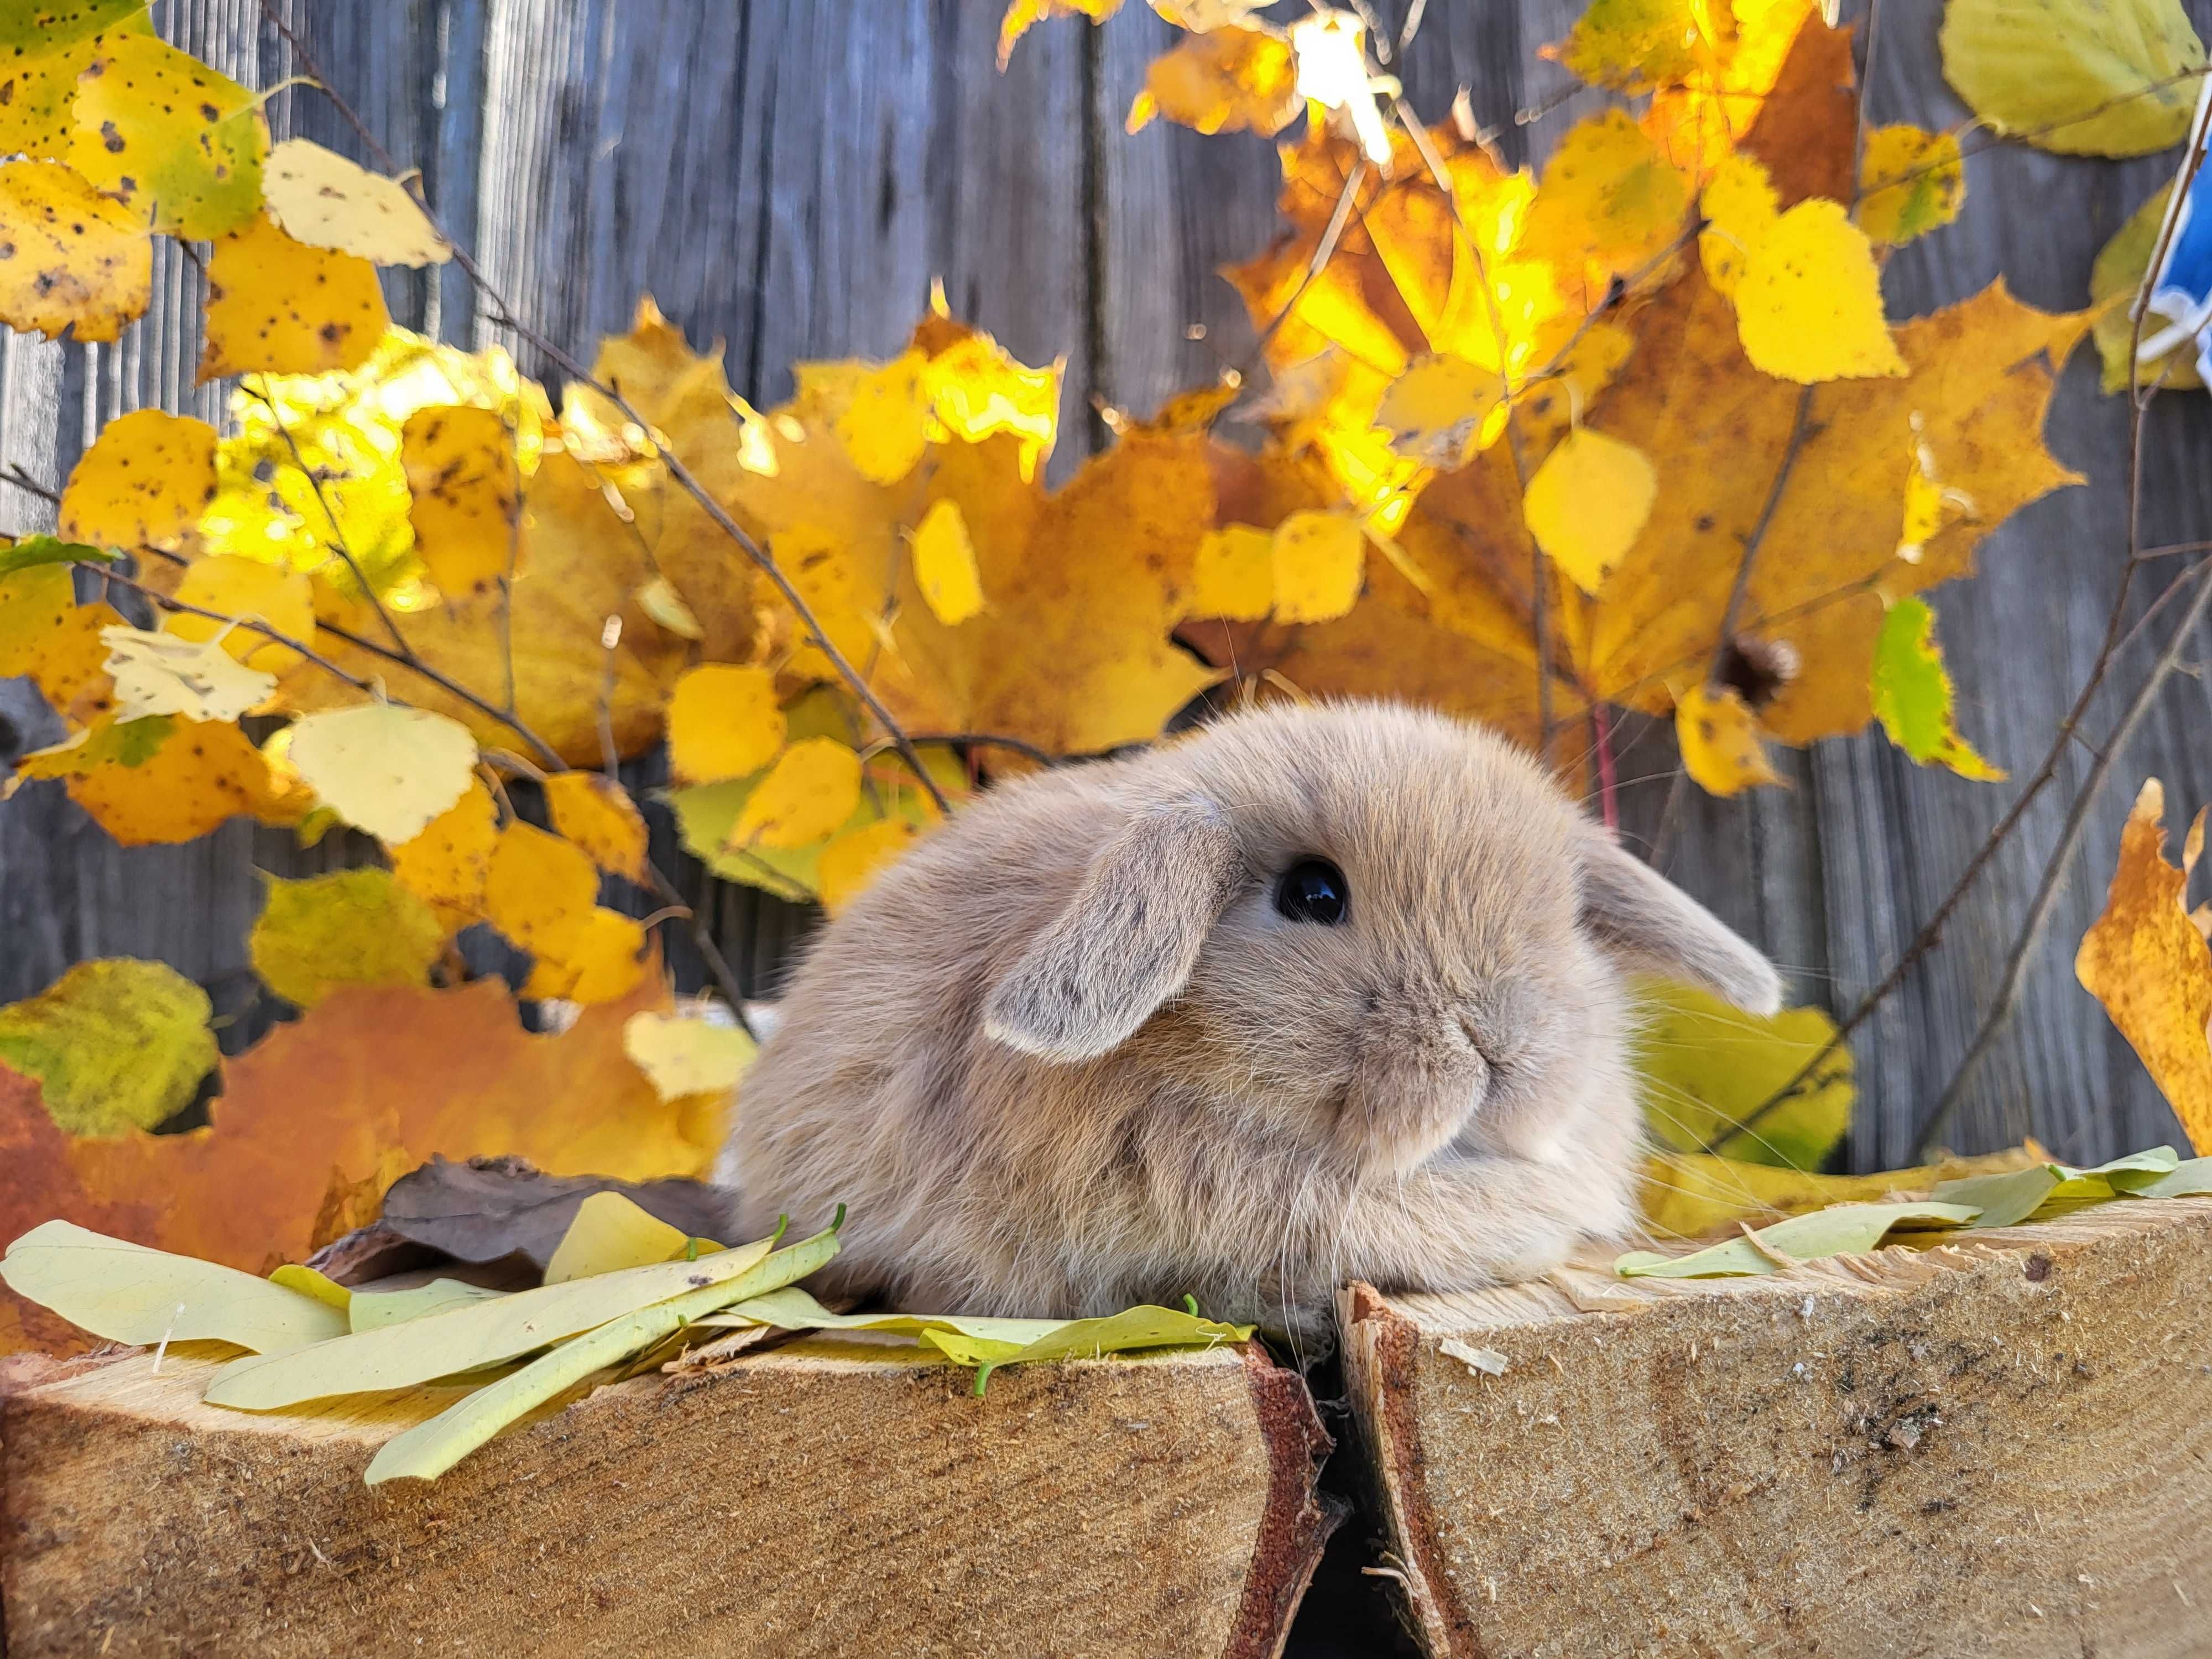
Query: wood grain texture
{"x": 788, "y": 175}
{"x": 1993, "y": 1448}
{"x": 825, "y": 1498}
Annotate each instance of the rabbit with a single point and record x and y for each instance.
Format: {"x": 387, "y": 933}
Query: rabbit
{"x": 1317, "y": 993}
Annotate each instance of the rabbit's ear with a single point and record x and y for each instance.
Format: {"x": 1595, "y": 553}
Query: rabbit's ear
{"x": 1127, "y": 940}
{"x": 1648, "y": 922}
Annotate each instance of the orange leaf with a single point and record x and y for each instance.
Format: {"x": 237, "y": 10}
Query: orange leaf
{"x": 598, "y": 814}
{"x": 2145, "y": 960}
{"x": 395, "y": 1076}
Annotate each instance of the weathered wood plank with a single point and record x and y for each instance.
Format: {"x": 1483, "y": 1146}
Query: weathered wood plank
{"x": 827, "y": 1498}
{"x": 1994, "y": 1447}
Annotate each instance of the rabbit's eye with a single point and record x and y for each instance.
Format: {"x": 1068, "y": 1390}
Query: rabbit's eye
{"x": 1314, "y": 890}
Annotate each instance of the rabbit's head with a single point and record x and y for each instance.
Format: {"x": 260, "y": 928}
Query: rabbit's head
{"x": 1366, "y": 931}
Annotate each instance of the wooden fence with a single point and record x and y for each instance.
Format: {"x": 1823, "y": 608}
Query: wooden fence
{"x": 789, "y": 175}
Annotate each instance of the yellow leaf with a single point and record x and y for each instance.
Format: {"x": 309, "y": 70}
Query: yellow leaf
{"x": 598, "y": 814}
{"x": 1692, "y": 1195}
{"x": 178, "y": 144}
{"x": 465, "y": 496}
{"x": 1319, "y": 560}
{"x": 851, "y": 862}
{"x": 143, "y": 482}
{"x": 2145, "y": 960}
{"x": 1231, "y": 80}
{"x": 446, "y": 864}
{"x": 278, "y": 306}
{"x": 1740, "y": 207}
{"x": 883, "y": 424}
{"x": 977, "y": 391}
{"x": 539, "y": 889}
{"x": 1912, "y": 691}
{"x": 1910, "y": 182}
{"x": 1808, "y": 307}
{"x": 308, "y": 1282}
{"x": 1021, "y": 14}
{"x": 604, "y": 962}
{"x": 723, "y": 722}
{"x": 1610, "y": 201}
{"x": 207, "y": 773}
{"x": 1588, "y": 503}
{"x": 105, "y": 742}
{"x": 1706, "y": 1068}
{"x": 684, "y": 1054}
{"x": 945, "y": 564}
{"x": 385, "y": 768}
{"x": 2084, "y": 78}
{"x": 47, "y": 633}
{"x": 115, "y": 1045}
{"x": 38, "y": 82}
{"x": 1435, "y": 411}
{"x": 660, "y": 600}
{"x": 1930, "y": 505}
{"x": 1635, "y": 44}
{"x": 350, "y": 927}
{"x": 161, "y": 674}
{"x": 77, "y": 260}
{"x": 128, "y": 1294}
{"x": 811, "y": 789}
{"x": 248, "y": 590}
{"x": 326, "y": 201}
{"x": 1235, "y": 574}
{"x": 610, "y": 1232}
{"x": 1720, "y": 741}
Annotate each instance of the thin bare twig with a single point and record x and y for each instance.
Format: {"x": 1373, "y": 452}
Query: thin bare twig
{"x": 1324, "y": 251}
{"x": 504, "y": 317}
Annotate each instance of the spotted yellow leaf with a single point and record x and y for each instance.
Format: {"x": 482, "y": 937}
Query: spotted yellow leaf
{"x": 1808, "y": 307}
{"x": 465, "y": 496}
{"x": 1588, "y": 503}
{"x": 598, "y": 814}
{"x": 326, "y": 201}
{"x": 178, "y": 144}
{"x": 944, "y": 563}
{"x": 206, "y": 773}
{"x": 446, "y": 864}
{"x": 1234, "y": 574}
{"x": 75, "y": 259}
{"x": 1609, "y": 201}
{"x": 279, "y": 306}
{"x": 39, "y": 70}
{"x": 144, "y": 482}
{"x": 1435, "y": 411}
{"x": 723, "y": 722}
{"x": 811, "y": 789}
{"x": 1720, "y": 741}
{"x": 1740, "y": 205}
{"x": 1320, "y": 560}
{"x": 385, "y": 768}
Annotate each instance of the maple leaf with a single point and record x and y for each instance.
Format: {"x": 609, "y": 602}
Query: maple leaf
{"x": 397, "y": 1075}
{"x": 2145, "y": 958}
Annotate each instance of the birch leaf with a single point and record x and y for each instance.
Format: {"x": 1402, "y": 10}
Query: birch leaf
{"x": 2084, "y": 77}
{"x": 684, "y": 1054}
{"x": 324, "y": 200}
{"x": 77, "y": 260}
{"x": 610, "y": 1233}
{"x": 383, "y": 767}
{"x": 320, "y": 934}
{"x": 161, "y": 674}
{"x": 115, "y": 1044}
{"x": 1912, "y": 696}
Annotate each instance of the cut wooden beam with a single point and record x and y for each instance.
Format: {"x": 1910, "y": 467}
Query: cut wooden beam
{"x": 830, "y": 1497}
{"x": 2000, "y": 1446}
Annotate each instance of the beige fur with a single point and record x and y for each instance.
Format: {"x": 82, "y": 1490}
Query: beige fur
{"x": 1066, "y": 1056}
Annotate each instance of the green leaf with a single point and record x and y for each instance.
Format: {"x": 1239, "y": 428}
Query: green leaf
{"x": 116, "y": 1044}
{"x": 1912, "y": 696}
{"x": 466, "y": 1337}
{"x": 323, "y": 933}
{"x": 2084, "y": 77}
{"x": 2183, "y": 1181}
{"x": 1845, "y": 1229}
{"x": 428, "y": 1449}
{"x": 989, "y": 1343}
{"x": 128, "y": 1294}
{"x": 2007, "y": 1200}
{"x": 372, "y": 1310}
{"x": 48, "y": 550}
{"x": 2113, "y": 280}
{"x": 1706, "y": 1065}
